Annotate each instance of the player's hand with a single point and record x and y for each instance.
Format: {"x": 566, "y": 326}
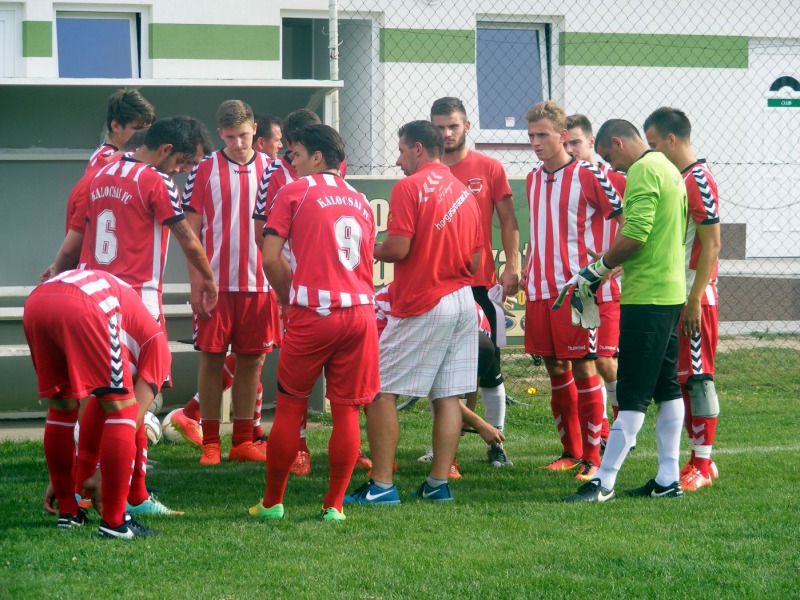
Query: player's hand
{"x": 204, "y": 298}
{"x": 47, "y": 273}
{"x": 509, "y": 279}
{"x": 590, "y": 277}
{"x": 584, "y": 310}
{"x": 490, "y": 434}
{"x": 690, "y": 321}
{"x": 49, "y": 499}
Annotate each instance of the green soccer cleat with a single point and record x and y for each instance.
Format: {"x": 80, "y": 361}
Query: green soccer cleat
{"x": 273, "y": 512}
{"x": 331, "y": 514}
{"x": 152, "y": 506}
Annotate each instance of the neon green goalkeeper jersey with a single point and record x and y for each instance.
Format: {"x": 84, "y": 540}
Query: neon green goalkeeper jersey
{"x": 655, "y": 208}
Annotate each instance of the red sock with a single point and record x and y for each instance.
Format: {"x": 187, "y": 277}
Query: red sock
{"x": 282, "y": 445}
{"x": 138, "y": 492}
{"x": 614, "y": 411}
{"x": 59, "y": 451}
{"x": 605, "y": 430}
{"x": 258, "y": 431}
{"x": 91, "y": 433}
{"x": 192, "y": 408}
{"x": 227, "y": 371}
{"x": 590, "y": 411}
{"x": 704, "y": 428}
{"x": 687, "y": 418}
{"x": 117, "y": 453}
{"x": 242, "y": 430}
{"x": 210, "y": 431}
{"x": 342, "y": 452}
{"x": 303, "y": 424}
{"x": 564, "y": 403}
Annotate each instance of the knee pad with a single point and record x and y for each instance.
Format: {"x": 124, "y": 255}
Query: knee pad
{"x": 703, "y": 396}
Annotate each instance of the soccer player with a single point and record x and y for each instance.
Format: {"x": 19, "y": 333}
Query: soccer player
{"x": 268, "y": 137}
{"x": 430, "y": 345}
{"x": 649, "y": 247}
{"x": 127, "y": 111}
{"x": 668, "y": 130}
{"x": 486, "y": 178}
{"x": 568, "y": 200}
{"x": 94, "y": 366}
{"x": 330, "y": 322}
{"x": 580, "y": 144}
{"x": 219, "y": 200}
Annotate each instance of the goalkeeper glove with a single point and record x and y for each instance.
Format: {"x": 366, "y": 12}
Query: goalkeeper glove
{"x": 584, "y": 310}
{"x": 590, "y": 277}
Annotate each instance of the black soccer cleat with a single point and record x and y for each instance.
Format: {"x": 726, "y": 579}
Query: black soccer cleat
{"x": 653, "y": 490}
{"x": 129, "y": 529}
{"x": 592, "y": 491}
{"x": 68, "y": 521}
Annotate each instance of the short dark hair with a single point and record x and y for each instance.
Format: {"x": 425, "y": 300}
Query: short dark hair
{"x": 581, "y": 121}
{"x": 264, "y": 125}
{"x": 447, "y": 106}
{"x": 184, "y": 133}
{"x": 427, "y": 134}
{"x": 615, "y": 128}
{"x": 296, "y": 121}
{"x": 668, "y": 120}
{"x": 324, "y": 139}
{"x": 127, "y": 105}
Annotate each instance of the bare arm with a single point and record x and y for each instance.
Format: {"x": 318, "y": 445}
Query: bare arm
{"x": 709, "y": 236}
{"x": 476, "y": 263}
{"x": 509, "y": 235}
{"x": 491, "y": 435}
{"x": 393, "y": 249}
{"x": 67, "y": 256}
{"x": 277, "y": 270}
{"x": 204, "y": 288}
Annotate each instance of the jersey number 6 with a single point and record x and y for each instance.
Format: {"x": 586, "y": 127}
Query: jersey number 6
{"x": 105, "y": 246}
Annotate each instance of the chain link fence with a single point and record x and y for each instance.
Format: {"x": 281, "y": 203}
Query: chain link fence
{"x": 733, "y": 67}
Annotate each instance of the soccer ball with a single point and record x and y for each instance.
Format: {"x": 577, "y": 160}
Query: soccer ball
{"x": 170, "y": 433}
{"x": 152, "y": 428}
{"x": 156, "y": 404}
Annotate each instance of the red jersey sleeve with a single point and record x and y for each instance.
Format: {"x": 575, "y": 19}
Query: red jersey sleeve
{"x": 702, "y": 197}
{"x": 77, "y": 204}
{"x": 402, "y": 210}
{"x": 500, "y": 185}
{"x": 164, "y": 200}
{"x": 599, "y": 192}
{"x": 195, "y": 189}
{"x": 279, "y": 219}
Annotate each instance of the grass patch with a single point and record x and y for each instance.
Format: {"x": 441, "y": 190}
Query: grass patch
{"x": 506, "y": 536}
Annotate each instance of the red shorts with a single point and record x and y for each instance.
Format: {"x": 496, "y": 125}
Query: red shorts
{"x": 345, "y": 343}
{"x": 155, "y": 361}
{"x": 241, "y": 320}
{"x": 550, "y": 332}
{"x": 71, "y": 341}
{"x": 608, "y": 332}
{"x": 696, "y": 354}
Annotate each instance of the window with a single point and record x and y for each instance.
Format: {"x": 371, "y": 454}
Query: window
{"x": 8, "y": 42}
{"x": 98, "y": 44}
{"x": 304, "y": 49}
{"x": 513, "y": 73}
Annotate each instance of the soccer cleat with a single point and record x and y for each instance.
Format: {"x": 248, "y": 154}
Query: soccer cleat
{"x": 188, "y": 428}
{"x": 587, "y": 471}
{"x": 302, "y": 464}
{"x": 272, "y": 513}
{"x": 592, "y": 491}
{"x": 363, "y": 461}
{"x": 497, "y": 456}
{"x": 84, "y": 503}
{"x": 442, "y": 493}
{"x": 427, "y": 457}
{"x": 212, "y": 454}
{"x": 369, "y": 493}
{"x": 127, "y": 531}
{"x": 152, "y": 506}
{"x": 566, "y": 462}
{"x": 331, "y": 514}
{"x": 713, "y": 470}
{"x": 694, "y": 480}
{"x": 68, "y": 521}
{"x": 454, "y": 472}
{"x": 653, "y": 490}
{"x": 261, "y": 445}
{"x": 247, "y": 452}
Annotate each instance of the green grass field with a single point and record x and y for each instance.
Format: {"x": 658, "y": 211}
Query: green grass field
{"x": 507, "y": 535}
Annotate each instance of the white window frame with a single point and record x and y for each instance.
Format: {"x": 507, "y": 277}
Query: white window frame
{"x": 139, "y": 43}
{"x": 12, "y": 42}
{"x": 517, "y": 136}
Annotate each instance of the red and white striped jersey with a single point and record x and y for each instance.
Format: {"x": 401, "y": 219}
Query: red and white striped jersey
{"x": 330, "y": 233}
{"x": 103, "y": 288}
{"x": 101, "y": 156}
{"x": 277, "y": 174}
{"x": 130, "y": 205}
{"x": 564, "y": 205}
{"x": 703, "y": 197}
{"x": 604, "y": 232}
{"x": 224, "y": 193}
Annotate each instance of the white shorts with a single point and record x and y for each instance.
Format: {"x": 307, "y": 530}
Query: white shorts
{"x": 435, "y": 353}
